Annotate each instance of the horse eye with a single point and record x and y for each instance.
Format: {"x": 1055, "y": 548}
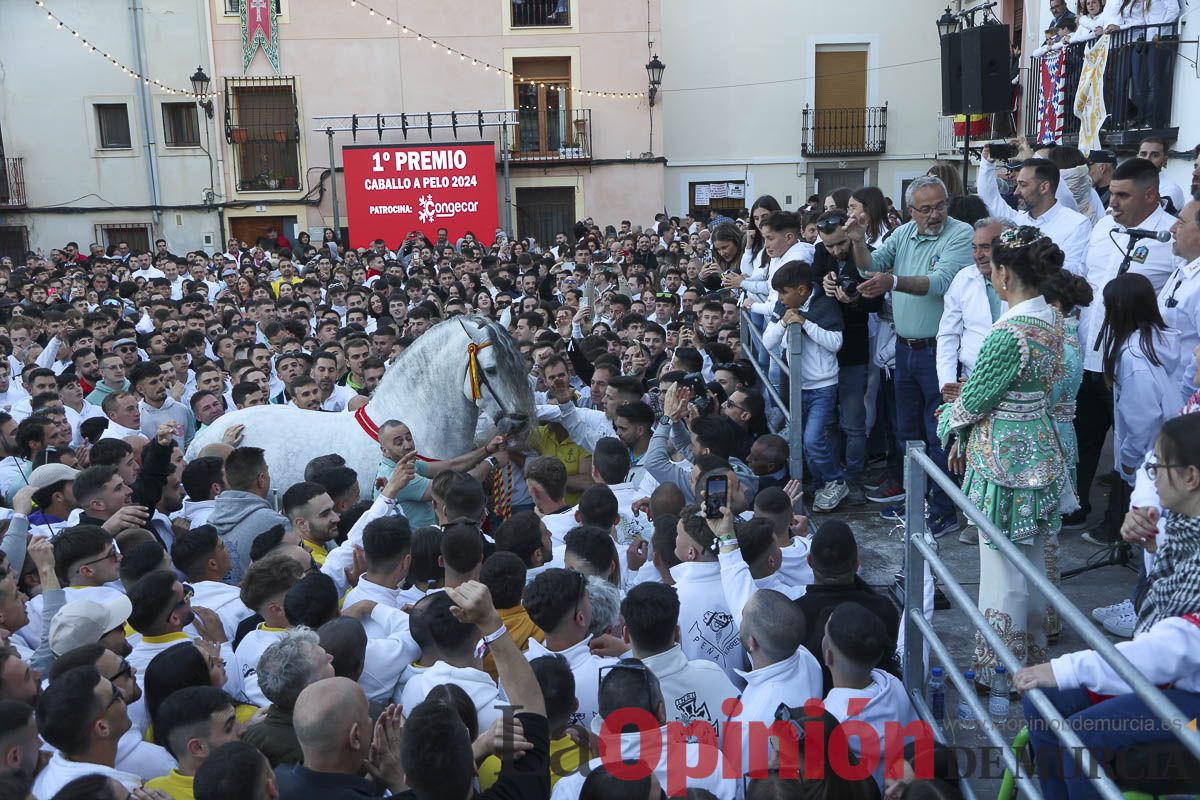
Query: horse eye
{"x": 490, "y": 370}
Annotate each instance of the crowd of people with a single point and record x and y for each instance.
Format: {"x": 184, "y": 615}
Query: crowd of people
{"x": 176, "y": 625}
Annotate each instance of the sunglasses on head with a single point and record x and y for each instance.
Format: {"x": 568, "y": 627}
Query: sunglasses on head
{"x": 831, "y": 224}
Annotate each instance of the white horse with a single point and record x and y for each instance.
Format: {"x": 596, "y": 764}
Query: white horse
{"x": 440, "y": 386}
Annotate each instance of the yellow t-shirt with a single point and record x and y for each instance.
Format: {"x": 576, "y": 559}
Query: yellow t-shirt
{"x": 566, "y": 451}
{"x": 174, "y": 784}
{"x": 564, "y": 760}
{"x": 316, "y": 549}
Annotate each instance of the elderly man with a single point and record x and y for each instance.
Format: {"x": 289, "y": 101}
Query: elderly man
{"x": 970, "y": 308}
{"x": 1179, "y": 299}
{"x": 916, "y": 264}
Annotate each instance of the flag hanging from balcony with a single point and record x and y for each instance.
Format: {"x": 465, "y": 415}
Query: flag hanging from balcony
{"x": 260, "y": 28}
{"x": 1089, "y": 100}
{"x": 1050, "y": 98}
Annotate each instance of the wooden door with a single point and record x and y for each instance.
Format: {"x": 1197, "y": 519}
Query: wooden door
{"x": 840, "y": 97}
{"x": 249, "y": 229}
{"x": 544, "y": 107}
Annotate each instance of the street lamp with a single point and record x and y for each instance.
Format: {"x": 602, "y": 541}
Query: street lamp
{"x": 200, "y": 84}
{"x": 947, "y": 23}
{"x": 655, "y": 70}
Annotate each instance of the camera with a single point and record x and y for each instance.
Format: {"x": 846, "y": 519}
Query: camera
{"x": 1002, "y": 151}
{"x": 849, "y": 286}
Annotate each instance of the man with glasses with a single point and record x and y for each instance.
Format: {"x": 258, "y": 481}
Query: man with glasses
{"x": 83, "y": 716}
{"x": 162, "y": 609}
{"x": 916, "y": 264}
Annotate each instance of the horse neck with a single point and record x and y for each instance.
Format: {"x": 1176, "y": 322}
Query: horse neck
{"x": 424, "y": 391}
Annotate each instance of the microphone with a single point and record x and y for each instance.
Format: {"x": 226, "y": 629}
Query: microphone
{"x": 1144, "y": 233}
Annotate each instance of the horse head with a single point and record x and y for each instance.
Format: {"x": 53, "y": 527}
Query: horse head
{"x": 496, "y": 379}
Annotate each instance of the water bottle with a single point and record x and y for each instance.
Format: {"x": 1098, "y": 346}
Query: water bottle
{"x": 998, "y": 698}
{"x": 937, "y": 695}
{"x": 966, "y": 717}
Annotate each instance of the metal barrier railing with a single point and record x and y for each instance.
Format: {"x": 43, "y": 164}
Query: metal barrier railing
{"x": 918, "y": 469}
{"x": 793, "y": 409}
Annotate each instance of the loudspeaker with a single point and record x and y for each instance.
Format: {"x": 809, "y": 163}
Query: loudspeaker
{"x": 986, "y": 70}
{"x": 952, "y": 94}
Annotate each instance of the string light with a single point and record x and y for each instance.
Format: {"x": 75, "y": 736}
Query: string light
{"x": 59, "y": 24}
{"x": 488, "y": 67}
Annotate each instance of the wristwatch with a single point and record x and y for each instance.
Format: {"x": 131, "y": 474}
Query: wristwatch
{"x": 665, "y": 420}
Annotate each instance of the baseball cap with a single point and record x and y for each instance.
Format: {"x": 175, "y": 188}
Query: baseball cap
{"x": 228, "y": 272}
{"x": 83, "y": 622}
{"x": 50, "y": 474}
{"x": 1102, "y": 157}
{"x": 124, "y": 343}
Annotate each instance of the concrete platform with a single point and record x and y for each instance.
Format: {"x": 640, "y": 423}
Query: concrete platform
{"x": 881, "y": 551}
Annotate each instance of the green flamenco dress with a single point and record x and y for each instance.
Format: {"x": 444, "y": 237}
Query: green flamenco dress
{"x": 1015, "y": 469}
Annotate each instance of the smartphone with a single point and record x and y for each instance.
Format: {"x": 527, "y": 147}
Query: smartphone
{"x": 716, "y": 495}
{"x": 1002, "y": 151}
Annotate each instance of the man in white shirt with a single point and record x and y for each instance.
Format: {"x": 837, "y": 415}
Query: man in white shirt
{"x": 78, "y": 697}
{"x": 1134, "y": 203}
{"x": 334, "y": 396}
{"x": 781, "y": 239}
{"x": 124, "y": 418}
{"x": 557, "y": 601}
{"x": 457, "y": 663}
{"x": 385, "y": 544}
{"x": 1154, "y": 150}
{"x": 145, "y": 269}
{"x": 706, "y": 622}
{"x": 970, "y": 307}
{"x": 692, "y": 689}
{"x": 1179, "y": 298}
{"x": 202, "y": 558}
{"x": 1037, "y": 182}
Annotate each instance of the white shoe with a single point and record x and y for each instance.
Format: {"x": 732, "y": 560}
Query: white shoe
{"x": 1115, "y": 610}
{"x": 828, "y": 498}
{"x": 1121, "y": 626}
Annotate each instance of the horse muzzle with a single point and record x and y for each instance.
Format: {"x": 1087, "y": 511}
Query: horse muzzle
{"x": 511, "y": 423}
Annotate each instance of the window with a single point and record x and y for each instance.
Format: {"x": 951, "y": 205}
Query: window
{"x": 234, "y": 7}
{"x": 261, "y": 122}
{"x": 537, "y": 13}
{"x": 543, "y": 108}
{"x": 113, "y": 122}
{"x": 135, "y": 234}
{"x": 545, "y": 211}
{"x": 14, "y": 241}
{"x": 181, "y": 124}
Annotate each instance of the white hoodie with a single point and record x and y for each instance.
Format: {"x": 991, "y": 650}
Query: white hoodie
{"x": 793, "y": 681}
{"x": 706, "y": 623}
{"x": 760, "y": 281}
{"x": 223, "y": 599}
{"x": 886, "y": 703}
{"x": 586, "y": 669}
{"x": 1168, "y": 653}
{"x": 475, "y": 682}
{"x": 692, "y": 690}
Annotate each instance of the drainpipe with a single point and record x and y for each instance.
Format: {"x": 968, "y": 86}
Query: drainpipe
{"x": 146, "y": 107}
{"x": 216, "y": 152}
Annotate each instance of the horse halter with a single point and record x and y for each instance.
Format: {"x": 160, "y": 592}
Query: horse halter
{"x": 478, "y": 377}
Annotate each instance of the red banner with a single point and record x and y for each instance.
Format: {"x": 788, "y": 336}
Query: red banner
{"x": 394, "y": 189}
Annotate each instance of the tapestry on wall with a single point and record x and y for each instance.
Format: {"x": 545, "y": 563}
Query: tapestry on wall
{"x": 260, "y": 28}
{"x": 1089, "y": 100}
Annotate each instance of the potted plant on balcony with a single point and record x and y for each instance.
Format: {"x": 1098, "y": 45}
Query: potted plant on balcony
{"x": 240, "y": 135}
{"x": 281, "y": 136}
{"x": 291, "y": 182}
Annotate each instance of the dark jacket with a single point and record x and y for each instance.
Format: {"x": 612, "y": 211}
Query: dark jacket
{"x": 818, "y": 602}
{"x": 856, "y": 337}
{"x": 297, "y": 782}
{"x": 275, "y": 737}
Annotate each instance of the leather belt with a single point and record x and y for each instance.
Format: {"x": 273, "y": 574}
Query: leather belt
{"x": 917, "y": 344}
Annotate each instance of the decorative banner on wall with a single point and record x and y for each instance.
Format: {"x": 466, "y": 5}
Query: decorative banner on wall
{"x": 1050, "y": 99}
{"x": 1089, "y": 99}
{"x": 260, "y": 28}
{"x": 392, "y": 190}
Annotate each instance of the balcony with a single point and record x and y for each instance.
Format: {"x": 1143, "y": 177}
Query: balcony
{"x": 555, "y": 136}
{"x": 12, "y": 183}
{"x": 541, "y": 13}
{"x": 1146, "y": 52}
{"x": 844, "y": 131}
{"x": 262, "y": 126}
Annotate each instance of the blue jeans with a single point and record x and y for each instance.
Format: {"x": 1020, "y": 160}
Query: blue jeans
{"x": 918, "y": 395}
{"x": 852, "y": 411}
{"x": 820, "y": 408}
{"x": 1104, "y": 728}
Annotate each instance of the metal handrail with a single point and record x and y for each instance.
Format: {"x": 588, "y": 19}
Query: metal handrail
{"x": 793, "y": 409}
{"x": 919, "y": 467}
